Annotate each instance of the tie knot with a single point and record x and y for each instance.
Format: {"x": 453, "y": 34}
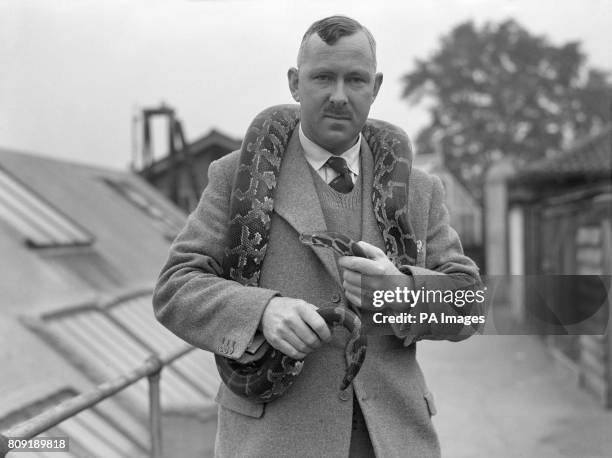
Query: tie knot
{"x": 338, "y": 164}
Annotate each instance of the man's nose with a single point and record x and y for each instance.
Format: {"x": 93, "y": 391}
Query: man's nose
{"x": 338, "y": 95}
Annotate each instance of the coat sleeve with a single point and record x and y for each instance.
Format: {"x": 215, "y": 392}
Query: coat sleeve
{"x": 191, "y": 297}
{"x": 446, "y": 269}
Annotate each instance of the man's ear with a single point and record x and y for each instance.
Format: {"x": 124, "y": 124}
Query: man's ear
{"x": 293, "y": 79}
{"x": 378, "y": 79}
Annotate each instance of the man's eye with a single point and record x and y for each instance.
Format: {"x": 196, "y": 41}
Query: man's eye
{"x": 322, "y": 77}
{"x": 356, "y": 80}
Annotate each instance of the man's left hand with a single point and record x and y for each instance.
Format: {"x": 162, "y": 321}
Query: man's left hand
{"x": 361, "y": 276}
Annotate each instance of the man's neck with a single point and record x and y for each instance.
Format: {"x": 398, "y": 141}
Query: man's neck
{"x": 317, "y": 156}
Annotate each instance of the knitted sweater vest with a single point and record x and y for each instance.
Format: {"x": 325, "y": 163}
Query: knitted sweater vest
{"x": 345, "y": 213}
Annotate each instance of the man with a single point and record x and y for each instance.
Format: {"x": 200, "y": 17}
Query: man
{"x": 326, "y": 180}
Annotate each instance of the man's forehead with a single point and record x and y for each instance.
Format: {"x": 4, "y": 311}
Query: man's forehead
{"x": 356, "y": 44}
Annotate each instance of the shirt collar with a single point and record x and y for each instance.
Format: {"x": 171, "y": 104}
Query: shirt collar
{"x": 317, "y": 156}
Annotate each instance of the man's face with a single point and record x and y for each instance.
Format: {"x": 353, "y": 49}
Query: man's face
{"x": 335, "y": 86}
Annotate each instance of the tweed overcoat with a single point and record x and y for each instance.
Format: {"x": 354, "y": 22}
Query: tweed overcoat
{"x": 313, "y": 418}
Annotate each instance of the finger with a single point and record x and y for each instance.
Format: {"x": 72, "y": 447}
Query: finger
{"x": 307, "y": 336}
{"x": 351, "y": 288}
{"x": 361, "y": 285}
{"x": 354, "y": 299}
{"x": 371, "y": 283}
{"x": 279, "y": 342}
{"x": 296, "y": 344}
{"x": 371, "y": 251}
{"x": 366, "y": 297}
{"x": 286, "y": 348}
{"x": 316, "y": 323}
{"x": 352, "y": 277}
{"x": 361, "y": 265}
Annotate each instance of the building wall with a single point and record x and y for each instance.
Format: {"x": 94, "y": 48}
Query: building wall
{"x": 188, "y": 195}
{"x": 568, "y": 239}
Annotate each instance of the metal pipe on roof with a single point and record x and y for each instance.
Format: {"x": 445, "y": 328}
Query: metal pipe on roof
{"x": 155, "y": 410}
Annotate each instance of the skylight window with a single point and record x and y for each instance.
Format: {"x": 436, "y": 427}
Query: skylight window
{"x": 169, "y": 226}
{"x": 40, "y": 224}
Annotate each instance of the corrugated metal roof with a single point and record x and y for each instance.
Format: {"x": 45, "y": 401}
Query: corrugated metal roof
{"x": 169, "y": 225}
{"x": 197, "y": 367}
{"x": 63, "y": 201}
{"x": 90, "y": 433}
{"x": 105, "y": 430}
{"x": 130, "y": 242}
{"x": 109, "y": 341}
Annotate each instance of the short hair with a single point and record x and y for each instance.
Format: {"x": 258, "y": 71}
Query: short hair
{"x": 331, "y": 29}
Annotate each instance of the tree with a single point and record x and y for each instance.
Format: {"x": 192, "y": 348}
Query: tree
{"x": 501, "y": 91}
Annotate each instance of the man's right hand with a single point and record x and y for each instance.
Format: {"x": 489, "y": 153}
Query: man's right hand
{"x": 293, "y": 326}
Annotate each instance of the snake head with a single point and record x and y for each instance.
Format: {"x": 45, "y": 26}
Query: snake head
{"x": 340, "y": 243}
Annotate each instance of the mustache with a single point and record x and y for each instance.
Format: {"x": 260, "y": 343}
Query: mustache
{"x": 338, "y": 112}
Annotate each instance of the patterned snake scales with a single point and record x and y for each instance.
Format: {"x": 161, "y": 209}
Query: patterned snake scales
{"x": 268, "y": 374}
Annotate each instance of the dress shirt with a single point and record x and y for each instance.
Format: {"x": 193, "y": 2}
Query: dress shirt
{"x": 317, "y": 158}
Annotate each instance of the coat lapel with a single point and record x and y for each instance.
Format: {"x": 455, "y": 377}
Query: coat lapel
{"x": 297, "y": 202}
{"x": 370, "y": 232}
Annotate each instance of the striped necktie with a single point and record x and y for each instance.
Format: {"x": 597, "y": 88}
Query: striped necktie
{"x": 343, "y": 182}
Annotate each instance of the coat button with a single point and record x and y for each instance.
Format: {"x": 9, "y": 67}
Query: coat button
{"x": 344, "y": 395}
{"x": 335, "y": 297}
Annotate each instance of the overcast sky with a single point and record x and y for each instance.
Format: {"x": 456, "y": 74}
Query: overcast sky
{"x": 73, "y": 73}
